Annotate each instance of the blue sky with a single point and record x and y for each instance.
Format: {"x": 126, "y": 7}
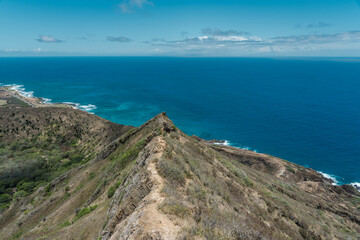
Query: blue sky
{"x": 180, "y": 28}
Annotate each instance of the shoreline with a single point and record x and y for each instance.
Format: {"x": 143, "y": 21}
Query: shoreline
{"x": 28, "y": 98}
{"x": 18, "y": 91}
{"x": 331, "y": 177}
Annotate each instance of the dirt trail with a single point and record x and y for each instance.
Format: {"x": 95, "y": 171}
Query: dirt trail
{"x": 152, "y": 219}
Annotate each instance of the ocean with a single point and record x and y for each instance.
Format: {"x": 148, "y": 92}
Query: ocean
{"x": 306, "y": 111}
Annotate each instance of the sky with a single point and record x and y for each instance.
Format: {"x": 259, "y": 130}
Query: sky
{"x": 191, "y": 28}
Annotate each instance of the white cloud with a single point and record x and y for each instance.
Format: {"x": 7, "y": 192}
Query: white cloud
{"x": 314, "y": 25}
{"x": 16, "y": 50}
{"x": 236, "y": 38}
{"x": 156, "y": 51}
{"x": 38, "y": 50}
{"x": 219, "y": 32}
{"x": 246, "y": 42}
{"x": 130, "y": 5}
{"x": 9, "y": 50}
{"x": 48, "y": 39}
{"x": 118, "y": 39}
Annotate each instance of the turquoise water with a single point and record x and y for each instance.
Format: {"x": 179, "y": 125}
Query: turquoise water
{"x": 306, "y": 111}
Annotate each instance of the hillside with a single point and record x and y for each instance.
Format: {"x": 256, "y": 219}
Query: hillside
{"x": 67, "y": 174}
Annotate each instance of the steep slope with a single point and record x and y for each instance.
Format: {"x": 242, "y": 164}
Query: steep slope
{"x": 34, "y": 137}
{"x": 217, "y": 192}
{"x": 37, "y": 145}
{"x": 155, "y": 182}
{"x": 61, "y": 124}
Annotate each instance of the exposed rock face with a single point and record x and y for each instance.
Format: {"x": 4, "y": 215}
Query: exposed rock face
{"x": 154, "y": 182}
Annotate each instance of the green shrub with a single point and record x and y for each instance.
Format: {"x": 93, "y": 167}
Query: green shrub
{"x": 79, "y": 187}
{"x": 5, "y": 198}
{"x": 130, "y": 154}
{"x": 118, "y": 183}
{"x": 26, "y": 186}
{"x": 30, "y": 164}
{"x": 92, "y": 208}
{"x": 355, "y": 200}
{"x": 20, "y": 194}
{"x": 73, "y": 143}
{"x": 48, "y": 188}
{"x": 84, "y": 211}
{"x": 246, "y": 181}
{"x": 14, "y": 146}
{"x": 65, "y": 155}
{"x": 290, "y": 169}
{"x": 8, "y": 191}
{"x": 17, "y": 235}
{"x": 76, "y": 158}
{"x": 92, "y": 175}
{"x": 65, "y": 224}
{"x": 111, "y": 192}
{"x": 66, "y": 163}
{"x": 3, "y": 206}
{"x": 66, "y": 195}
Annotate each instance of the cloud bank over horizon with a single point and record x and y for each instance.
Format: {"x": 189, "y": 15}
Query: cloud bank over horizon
{"x": 180, "y": 28}
{"x": 213, "y": 41}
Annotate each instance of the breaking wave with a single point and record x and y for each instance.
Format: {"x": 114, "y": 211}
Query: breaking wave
{"x": 87, "y": 108}
{"x": 228, "y": 143}
{"x": 20, "y": 89}
{"x": 356, "y": 185}
{"x": 331, "y": 177}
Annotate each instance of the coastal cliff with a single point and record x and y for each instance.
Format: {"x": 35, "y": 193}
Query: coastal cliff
{"x": 68, "y": 174}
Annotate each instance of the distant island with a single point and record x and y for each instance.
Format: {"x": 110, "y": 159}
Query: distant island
{"x": 69, "y": 174}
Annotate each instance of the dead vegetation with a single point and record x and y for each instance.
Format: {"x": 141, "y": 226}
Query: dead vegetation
{"x": 155, "y": 182}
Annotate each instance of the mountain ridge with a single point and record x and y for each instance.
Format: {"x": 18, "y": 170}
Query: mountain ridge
{"x": 155, "y": 182}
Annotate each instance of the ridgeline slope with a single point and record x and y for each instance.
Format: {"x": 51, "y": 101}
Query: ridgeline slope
{"x": 67, "y": 174}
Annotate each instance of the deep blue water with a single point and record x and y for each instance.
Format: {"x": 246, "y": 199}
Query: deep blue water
{"x": 306, "y": 111}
